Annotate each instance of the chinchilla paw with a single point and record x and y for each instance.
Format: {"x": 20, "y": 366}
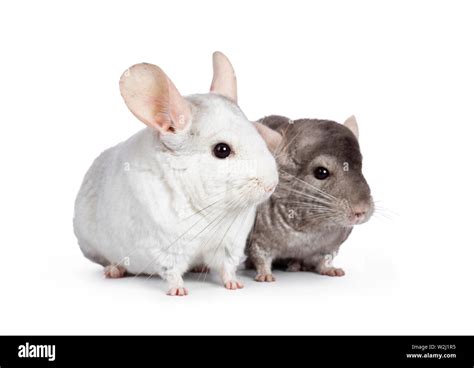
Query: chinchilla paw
{"x": 268, "y": 277}
{"x": 332, "y": 271}
{"x": 233, "y": 285}
{"x": 178, "y": 291}
{"x": 114, "y": 271}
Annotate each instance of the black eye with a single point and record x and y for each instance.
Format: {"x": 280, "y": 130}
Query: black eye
{"x": 221, "y": 150}
{"x": 321, "y": 173}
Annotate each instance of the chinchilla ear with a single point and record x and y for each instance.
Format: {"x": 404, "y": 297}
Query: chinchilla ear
{"x": 152, "y": 98}
{"x": 271, "y": 137}
{"x": 224, "y": 81}
{"x": 351, "y": 123}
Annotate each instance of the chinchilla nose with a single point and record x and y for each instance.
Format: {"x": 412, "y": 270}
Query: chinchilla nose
{"x": 267, "y": 185}
{"x": 359, "y": 213}
{"x": 269, "y": 188}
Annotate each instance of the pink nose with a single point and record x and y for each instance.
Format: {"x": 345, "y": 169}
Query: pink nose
{"x": 358, "y": 214}
{"x": 269, "y": 188}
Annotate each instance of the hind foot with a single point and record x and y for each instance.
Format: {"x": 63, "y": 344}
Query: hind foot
{"x": 332, "y": 271}
{"x": 114, "y": 271}
{"x": 265, "y": 277}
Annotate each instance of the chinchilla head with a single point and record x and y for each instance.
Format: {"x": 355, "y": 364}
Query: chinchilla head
{"x": 212, "y": 150}
{"x": 321, "y": 180}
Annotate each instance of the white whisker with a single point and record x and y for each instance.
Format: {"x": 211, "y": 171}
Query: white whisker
{"x": 221, "y": 211}
{"x": 323, "y": 193}
{"x": 222, "y": 238}
{"x": 320, "y": 200}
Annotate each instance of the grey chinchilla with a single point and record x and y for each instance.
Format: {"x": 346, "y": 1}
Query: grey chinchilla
{"x": 322, "y": 194}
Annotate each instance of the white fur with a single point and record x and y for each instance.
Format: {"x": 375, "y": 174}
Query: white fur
{"x": 138, "y": 204}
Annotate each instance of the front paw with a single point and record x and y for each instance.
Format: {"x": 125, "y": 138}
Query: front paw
{"x": 265, "y": 277}
{"x": 332, "y": 271}
{"x": 233, "y": 285}
{"x": 177, "y": 291}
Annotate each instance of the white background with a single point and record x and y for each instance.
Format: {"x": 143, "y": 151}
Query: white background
{"x": 404, "y": 68}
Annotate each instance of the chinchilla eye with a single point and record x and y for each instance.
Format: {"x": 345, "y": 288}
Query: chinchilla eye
{"x": 222, "y": 150}
{"x": 321, "y": 173}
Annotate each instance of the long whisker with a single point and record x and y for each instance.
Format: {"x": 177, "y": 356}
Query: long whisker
{"x": 387, "y": 211}
{"x": 320, "y": 212}
{"x": 319, "y": 195}
{"x": 281, "y": 145}
{"x": 255, "y": 223}
{"x": 311, "y": 211}
{"x": 378, "y": 214}
{"x": 216, "y": 201}
{"x": 244, "y": 218}
{"x": 383, "y": 213}
{"x": 214, "y": 230}
{"x": 328, "y": 213}
{"x": 127, "y": 257}
{"x": 289, "y": 142}
{"x": 201, "y": 210}
{"x": 189, "y": 229}
{"x": 306, "y": 195}
{"x": 222, "y": 239}
{"x": 183, "y": 234}
{"x": 305, "y": 204}
{"x": 319, "y": 191}
{"x": 320, "y": 217}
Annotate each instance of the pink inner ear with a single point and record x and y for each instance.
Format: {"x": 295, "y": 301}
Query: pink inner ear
{"x": 179, "y": 109}
{"x": 153, "y": 98}
{"x": 224, "y": 81}
{"x": 158, "y": 110}
{"x": 163, "y": 122}
{"x": 351, "y": 123}
{"x": 271, "y": 137}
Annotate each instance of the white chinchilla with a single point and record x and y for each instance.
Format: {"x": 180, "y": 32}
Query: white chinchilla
{"x": 182, "y": 191}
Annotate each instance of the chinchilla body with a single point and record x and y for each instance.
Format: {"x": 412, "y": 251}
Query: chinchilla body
{"x": 182, "y": 191}
{"x": 321, "y": 195}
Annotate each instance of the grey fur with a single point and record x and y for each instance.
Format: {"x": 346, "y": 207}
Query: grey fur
{"x": 289, "y": 229}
